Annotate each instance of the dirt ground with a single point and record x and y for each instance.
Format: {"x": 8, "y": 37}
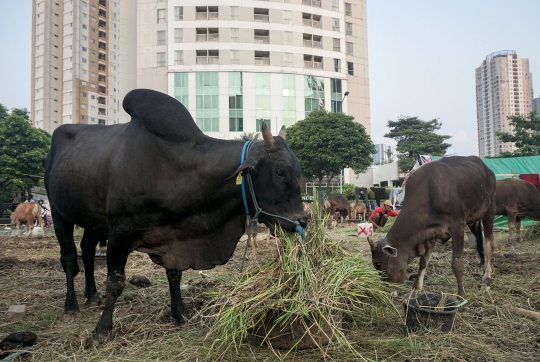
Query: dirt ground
{"x": 486, "y": 329}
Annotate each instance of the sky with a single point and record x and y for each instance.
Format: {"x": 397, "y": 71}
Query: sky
{"x": 422, "y": 57}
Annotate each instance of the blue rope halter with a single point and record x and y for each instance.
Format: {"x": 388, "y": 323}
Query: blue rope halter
{"x": 245, "y": 150}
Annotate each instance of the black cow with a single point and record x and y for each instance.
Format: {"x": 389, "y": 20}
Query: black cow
{"x": 153, "y": 184}
{"x": 517, "y": 199}
{"x": 442, "y": 197}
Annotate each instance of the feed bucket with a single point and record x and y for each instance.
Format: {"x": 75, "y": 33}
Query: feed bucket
{"x": 365, "y": 230}
{"x": 427, "y": 310}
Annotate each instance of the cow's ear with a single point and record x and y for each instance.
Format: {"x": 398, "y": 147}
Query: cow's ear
{"x": 388, "y": 250}
{"x": 372, "y": 243}
{"x": 248, "y": 164}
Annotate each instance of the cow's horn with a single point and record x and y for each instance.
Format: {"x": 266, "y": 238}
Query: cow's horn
{"x": 372, "y": 243}
{"x": 283, "y": 133}
{"x": 267, "y": 136}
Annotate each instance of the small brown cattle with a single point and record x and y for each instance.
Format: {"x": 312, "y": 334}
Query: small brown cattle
{"x": 336, "y": 204}
{"x": 26, "y": 214}
{"x": 359, "y": 208}
{"x": 517, "y": 199}
{"x": 442, "y": 198}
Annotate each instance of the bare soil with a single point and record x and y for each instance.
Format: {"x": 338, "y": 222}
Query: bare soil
{"x": 486, "y": 329}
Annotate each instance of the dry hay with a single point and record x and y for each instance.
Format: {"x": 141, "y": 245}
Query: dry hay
{"x": 486, "y": 330}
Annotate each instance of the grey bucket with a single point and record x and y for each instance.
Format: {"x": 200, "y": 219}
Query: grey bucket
{"x": 422, "y": 311}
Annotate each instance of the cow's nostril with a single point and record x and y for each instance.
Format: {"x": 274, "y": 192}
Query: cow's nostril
{"x": 303, "y": 221}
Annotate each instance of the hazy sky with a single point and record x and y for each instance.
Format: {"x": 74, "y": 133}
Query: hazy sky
{"x": 422, "y": 56}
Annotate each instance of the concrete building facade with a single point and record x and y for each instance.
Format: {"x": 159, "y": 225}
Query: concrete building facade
{"x": 503, "y": 88}
{"x": 74, "y": 62}
{"x": 537, "y": 105}
{"x": 234, "y": 64}
{"x": 384, "y": 154}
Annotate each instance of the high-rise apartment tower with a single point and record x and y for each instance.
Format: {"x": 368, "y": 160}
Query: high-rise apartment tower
{"x": 74, "y": 62}
{"x": 503, "y": 88}
{"x": 235, "y": 64}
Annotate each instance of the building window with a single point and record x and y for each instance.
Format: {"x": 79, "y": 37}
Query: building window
{"x": 288, "y": 38}
{"x": 179, "y": 57}
{"x": 313, "y": 93}
{"x": 288, "y": 59}
{"x": 289, "y": 99}
{"x": 348, "y": 28}
{"x": 234, "y": 13}
{"x": 335, "y": 24}
{"x": 335, "y": 5}
{"x": 84, "y": 60}
{"x": 348, "y": 9}
{"x": 207, "y": 96}
{"x": 161, "y": 59}
{"x": 178, "y": 35}
{"x": 178, "y": 13}
{"x": 349, "y": 48}
{"x": 161, "y": 16}
{"x": 181, "y": 90}
{"x": 262, "y": 100}
{"x": 235, "y": 35}
{"x": 161, "y": 38}
{"x": 337, "y": 47}
{"x": 235, "y": 58}
{"x": 336, "y": 95}
{"x": 84, "y": 26}
{"x": 337, "y": 65}
{"x": 287, "y": 17}
{"x": 350, "y": 68}
{"x": 236, "y": 113}
{"x": 83, "y": 118}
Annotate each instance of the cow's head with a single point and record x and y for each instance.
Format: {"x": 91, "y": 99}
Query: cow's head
{"x": 12, "y": 216}
{"x": 275, "y": 173}
{"x": 385, "y": 259}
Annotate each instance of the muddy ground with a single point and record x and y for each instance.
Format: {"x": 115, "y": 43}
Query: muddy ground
{"x": 486, "y": 329}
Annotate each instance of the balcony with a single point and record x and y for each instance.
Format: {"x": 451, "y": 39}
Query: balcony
{"x": 102, "y": 78}
{"x": 102, "y": 24}
{"x": 262, "y": 61}
{"x": 261, "y": 17}
{"x": 307, "y": 22}
{"x": 317, "y": 44}
{"x": 102, "y": 46}
{"x": 102, "y": 56}
{"x": 207, "y": 15}
{"x": 102, "y": 89}
{"x": 207, "y": 37}
{"x": 102, "y": 34}
{"x": 314, "y": 3}
{"x": 102, "y": 67}
{"x": 262, "y": 39}
{"x": 103, "y": 2}
{"x": 102, "y": 100}
{"x": 208, "y": 59}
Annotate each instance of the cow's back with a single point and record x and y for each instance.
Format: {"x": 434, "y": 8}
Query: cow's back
{"x": 26, "y": 211}
{"x": 450, "y": 186}
{"x": 517, "y": 194}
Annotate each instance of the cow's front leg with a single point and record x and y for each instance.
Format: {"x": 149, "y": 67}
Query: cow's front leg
{"x": 117, "y": 254}
{"x": 424, "y": 260}
{"x": 178, "y": 310}
{"x": 458, "y": 238}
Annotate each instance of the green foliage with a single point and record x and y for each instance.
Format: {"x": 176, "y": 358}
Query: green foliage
{"x": 252, "y": 136}
{"x": 348, "y": 191}
{"x": 416, "y": 137}
{"x": 325, "y": 143}
{"x": 23, "y": 151}
{"x": 525, "y": 134}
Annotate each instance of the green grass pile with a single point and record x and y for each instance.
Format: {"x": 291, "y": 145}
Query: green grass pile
{"x": 314, "y": 282}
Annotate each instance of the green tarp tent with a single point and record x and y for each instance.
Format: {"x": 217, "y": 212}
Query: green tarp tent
{"x": 504, "y": 168}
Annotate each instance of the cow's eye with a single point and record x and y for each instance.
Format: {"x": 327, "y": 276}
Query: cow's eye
{"x": 279, "y": 172}
{"x": 378, "y": 266}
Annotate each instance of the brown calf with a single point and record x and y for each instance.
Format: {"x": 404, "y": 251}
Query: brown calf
{"x": 359, "y": 208}
{"x": 26, "y": 214}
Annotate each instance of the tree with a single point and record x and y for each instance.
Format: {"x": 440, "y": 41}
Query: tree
{"x": 252, "y": 136}
{"x": 23, "y": 151}
{"x": 325, "y": 143}
{"x": 525, "y": 134}
{"x": 414, "y": 138}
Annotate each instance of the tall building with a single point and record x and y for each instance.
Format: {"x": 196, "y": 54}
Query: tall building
{"x": 503, "y": 88}
{"x": 235, "y": 64}
{"x": 74, "y": 62}
{"x": 384, "y": 154}
{"x": 537, "y": 104}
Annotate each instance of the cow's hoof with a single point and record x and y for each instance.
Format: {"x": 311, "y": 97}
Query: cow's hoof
{"x": 183, "y": 319}
{"x": 94, "y": 302}
{"x": 71, "y": 315}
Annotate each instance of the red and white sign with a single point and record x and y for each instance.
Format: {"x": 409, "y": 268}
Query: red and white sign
{"x": 365, "y": 230}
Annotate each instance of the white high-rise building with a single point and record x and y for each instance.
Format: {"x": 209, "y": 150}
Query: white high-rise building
{"x": 235, "y": 64}
{"x": 503, "y": 88}
{"x": 75, "y": 45}
{"x": 384, "y": 154}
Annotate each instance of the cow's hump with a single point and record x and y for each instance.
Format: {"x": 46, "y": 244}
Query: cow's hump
{"x": 161, "y": 114}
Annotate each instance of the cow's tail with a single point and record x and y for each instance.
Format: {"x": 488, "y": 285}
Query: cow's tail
{"x": 480, "y": 242}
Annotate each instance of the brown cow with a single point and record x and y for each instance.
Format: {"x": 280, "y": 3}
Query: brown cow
{"x": 359, "y": 208}
{"x": 442, "y": 197}
{"x": 336, "y": 204}
{"x": 26, "y": 214}
{"x": 517, "y": 199}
